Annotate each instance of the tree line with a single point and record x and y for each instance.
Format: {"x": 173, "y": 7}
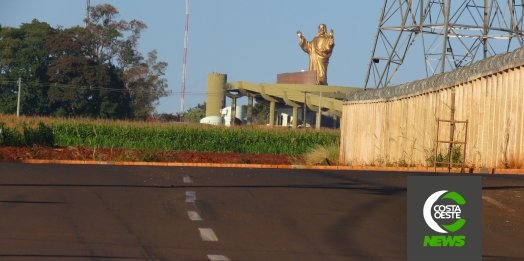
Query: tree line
{"x": 90, "y": 71}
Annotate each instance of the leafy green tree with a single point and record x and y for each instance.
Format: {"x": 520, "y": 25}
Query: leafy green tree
{"x": 76, "y": 78}
{"x": 108, "y": 45}
{"x": 195, "y": 114}
{"x": 167, "y": 117}
{"x": 139, "y": 78}
{"x": 22, "y": 55}
{"x": 146, "y": 85}
{"x": 94, "y": 71}
{"x": 260, "y": 113}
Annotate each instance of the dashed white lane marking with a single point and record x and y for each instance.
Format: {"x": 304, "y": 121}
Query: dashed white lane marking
{"x": 187, "y": 179}
{"x": 193, "y": 215}
{"x": 190, "y": 196}
{"x": 207, "y": 234}
{"x": 218, "y": 258}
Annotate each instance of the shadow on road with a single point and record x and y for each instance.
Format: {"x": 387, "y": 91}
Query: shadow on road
{"x": 72, "y": 256}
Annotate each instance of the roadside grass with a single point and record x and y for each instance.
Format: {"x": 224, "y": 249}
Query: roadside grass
{"x": 512, "y": 162}
{"x": 320, "y": 153}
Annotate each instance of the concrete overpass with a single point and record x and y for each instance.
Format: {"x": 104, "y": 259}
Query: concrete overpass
{"x": 319, "y": 98}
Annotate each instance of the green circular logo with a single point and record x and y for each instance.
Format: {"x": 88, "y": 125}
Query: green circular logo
{"x": 433, "y": 212}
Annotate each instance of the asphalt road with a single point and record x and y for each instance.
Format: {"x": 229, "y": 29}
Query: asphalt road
{"x": 82, "y": 212}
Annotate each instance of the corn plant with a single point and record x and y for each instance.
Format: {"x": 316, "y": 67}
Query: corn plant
{"x": 160, "y": 136}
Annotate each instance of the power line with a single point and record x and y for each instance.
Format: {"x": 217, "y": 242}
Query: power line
{"x": 115, "y": 89}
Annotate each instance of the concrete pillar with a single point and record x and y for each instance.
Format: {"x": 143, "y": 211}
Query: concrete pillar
{"x": 317, "y": 125}
{"x": 295, "y": 118}
{"x": 319, "y": 113}
{"x": 215, "y": 93}
{"x": 249, "y": 110}
{"x": 271, "y": 114}
{"x": 334, "y": 121}
{"x": 233, "y": 111}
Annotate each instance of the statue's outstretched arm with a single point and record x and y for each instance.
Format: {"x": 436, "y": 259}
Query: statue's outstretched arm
{"x": 304, "y": 44}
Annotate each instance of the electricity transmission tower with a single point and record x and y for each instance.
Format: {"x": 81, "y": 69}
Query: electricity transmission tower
{"x": 449, "y": 35}
{"x": 184, "y": 62}
{"x": 86, "y": 19}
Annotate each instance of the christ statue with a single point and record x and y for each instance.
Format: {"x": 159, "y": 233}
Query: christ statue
{"x": 319, "y": 50}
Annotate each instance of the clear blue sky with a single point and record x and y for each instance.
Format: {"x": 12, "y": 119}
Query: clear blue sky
{"x": 248, "y": 40}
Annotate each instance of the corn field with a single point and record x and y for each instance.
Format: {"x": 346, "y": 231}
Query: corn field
{"x": 41, "y": 131}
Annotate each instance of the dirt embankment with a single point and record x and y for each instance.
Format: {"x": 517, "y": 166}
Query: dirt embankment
{"x": 81, "y": 153}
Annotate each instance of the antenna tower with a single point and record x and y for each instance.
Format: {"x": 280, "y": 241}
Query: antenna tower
{"x": 184, "y": 64}
{"x": 86, "y": 19}
{"x": 449, "y": 35}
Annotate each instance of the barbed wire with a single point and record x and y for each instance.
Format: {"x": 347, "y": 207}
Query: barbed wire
{"x": 441, "y": 80}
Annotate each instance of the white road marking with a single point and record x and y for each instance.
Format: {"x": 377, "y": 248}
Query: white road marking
{"x": 218, "y": 258}
{"x": 207, "y": 234}
{"x": 190, "y": 196}
{"x": 187, "y": 179}
{"x": 193, "y": 215}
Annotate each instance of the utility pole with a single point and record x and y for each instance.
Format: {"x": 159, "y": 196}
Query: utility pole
{"x": 18, "y": 104}
{"x": 319, "y": 117}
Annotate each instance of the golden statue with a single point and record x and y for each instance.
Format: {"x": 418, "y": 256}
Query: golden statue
{"x": 319, "y": 50}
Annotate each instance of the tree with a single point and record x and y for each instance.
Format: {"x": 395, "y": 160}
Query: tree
{"x": 107, "y": 37}
{"x": 167, "y": 117}
{"x": 95, "y": 71}
{"x": 78, "y": 78}
{"x": 260, "y": 113}
{"x": 142, "y": 79}
{"x": 22, "y": 55}
{"x": 195, "y": 114}
{"x": 145, "y": 85}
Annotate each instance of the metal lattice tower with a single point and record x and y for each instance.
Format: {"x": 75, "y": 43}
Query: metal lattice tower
{"x": 86, "y": 19}
{"x": 449, "y": 35}
{"x": 184, "y": 62}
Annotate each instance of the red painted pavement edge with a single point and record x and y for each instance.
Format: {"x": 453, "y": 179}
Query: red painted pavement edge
{"x": 268, "y": 166}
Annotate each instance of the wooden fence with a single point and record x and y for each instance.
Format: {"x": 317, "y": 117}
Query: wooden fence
{"x": 401, "y": 131}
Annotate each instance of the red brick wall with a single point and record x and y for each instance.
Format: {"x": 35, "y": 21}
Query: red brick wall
{"x": 306, "y": 77}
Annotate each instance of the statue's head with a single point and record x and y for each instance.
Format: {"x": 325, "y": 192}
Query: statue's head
{"x": 322, "y": 29}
